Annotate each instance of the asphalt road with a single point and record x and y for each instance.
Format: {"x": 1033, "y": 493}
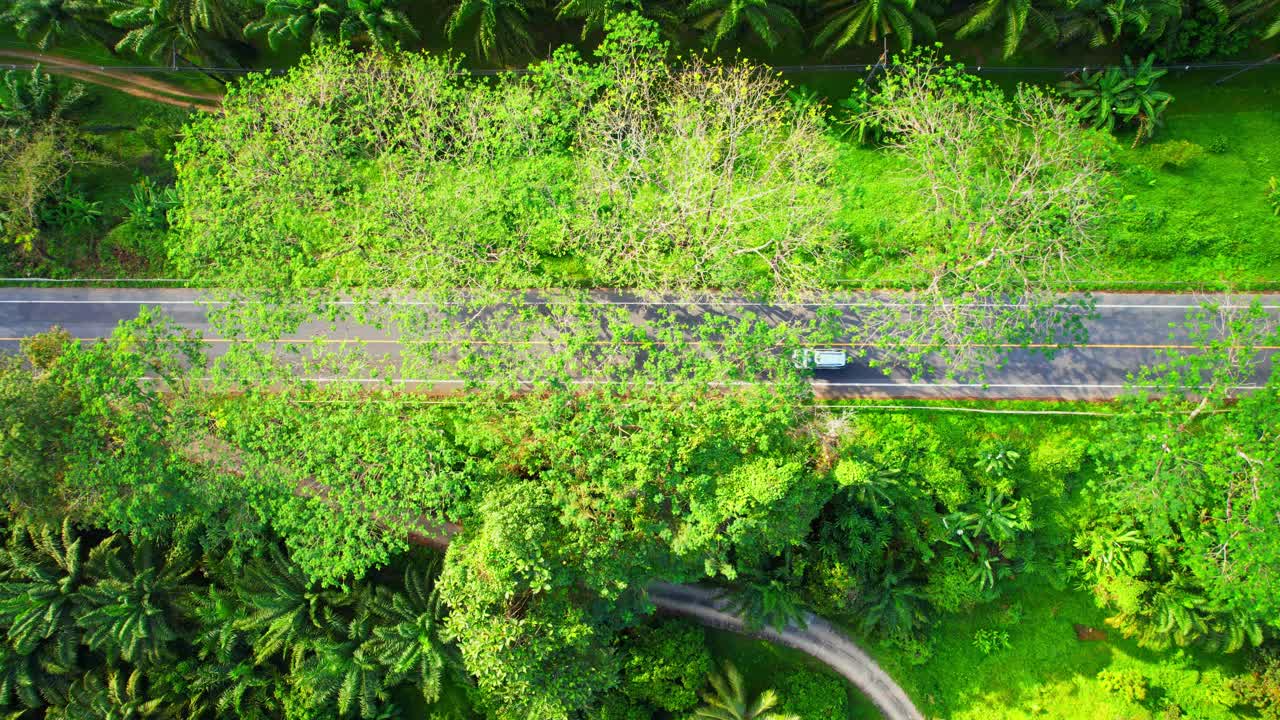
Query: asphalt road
{"x": 1129, "y": 332}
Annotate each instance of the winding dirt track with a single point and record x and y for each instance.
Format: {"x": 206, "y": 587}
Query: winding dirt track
{"x": 818, "y": 638}
{"x": 132, "y": 83}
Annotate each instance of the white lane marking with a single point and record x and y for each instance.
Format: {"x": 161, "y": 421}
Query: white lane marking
{"x": 631, "y": 303}
{"x": 743, "y": 383}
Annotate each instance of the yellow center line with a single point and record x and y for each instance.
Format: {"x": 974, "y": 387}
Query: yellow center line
{"x": 388, "y": 341}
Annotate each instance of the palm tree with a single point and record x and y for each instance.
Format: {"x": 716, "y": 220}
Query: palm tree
{"x": 867, "y": 21}
{"x": 114, "y": 694}
{"x": 137, "y": 600}
{"x": 346, "y": 677}
{"x": 226, "y": 682}
{"x": 404, "y": 636}
{"x": 42, "y": 597}
{"x": 728, "y": 700}
{"x": 1265, "y": 11}
{"x": 1104, "y": 22}
{"x": 31, "y": 98}
{"x": 154, "y": 28}
{"x": 287, "y": 615}
{"x": 29, "y": 679}
{"x": 48, "y": 22}
{"x": 596, "y": 14}
{"x": 379, "y": 23}
{"x": 891, "y": 603}
{"x": 725, "y": 19}
{"x": 499, "y": 29}
{"x": 1013, "y": 15}
{"x": 239, "y": 689}
{"x": 770, "y": 603}
{"x": 219, "y": 614}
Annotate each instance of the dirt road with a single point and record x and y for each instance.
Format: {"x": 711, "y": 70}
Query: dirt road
{"x": 131, "y": 83}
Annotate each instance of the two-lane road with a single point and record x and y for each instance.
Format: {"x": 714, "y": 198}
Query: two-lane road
{"x": 1130, "y": 331}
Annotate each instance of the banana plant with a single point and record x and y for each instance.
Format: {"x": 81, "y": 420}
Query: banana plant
{"x": 1129, "y": 94}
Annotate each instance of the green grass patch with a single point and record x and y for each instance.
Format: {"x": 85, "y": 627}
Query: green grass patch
{"x": 1047, "y": 672}
{"x": 1190, "y": 208}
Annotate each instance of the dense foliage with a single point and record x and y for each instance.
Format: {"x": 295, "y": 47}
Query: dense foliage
{"x": 1185, "y": 542}
{"x": 515, "y": 30}
{"x": 559, "y": 506}
{"x": 100, "y": 625}
{"x": 1011, "y": 195}
{"x": 628, "y": 171}
{"x": 432, "y": 190}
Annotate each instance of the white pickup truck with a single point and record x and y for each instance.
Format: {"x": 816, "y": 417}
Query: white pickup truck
{"x": 820, "y": 358}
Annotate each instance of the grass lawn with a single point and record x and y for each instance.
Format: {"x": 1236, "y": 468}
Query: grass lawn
{"x": 1046, "y": 672}
{"x": 1207, "y": 224}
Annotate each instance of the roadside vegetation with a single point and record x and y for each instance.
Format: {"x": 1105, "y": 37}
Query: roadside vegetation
{"x": 193, "y": 538}
{"x": 558, "y": 506}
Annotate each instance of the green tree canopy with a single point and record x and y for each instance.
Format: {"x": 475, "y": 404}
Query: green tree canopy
{"x": 379, "y": 23}
{"x": 448, "y": 181}
{"x": 1185, "y": 547}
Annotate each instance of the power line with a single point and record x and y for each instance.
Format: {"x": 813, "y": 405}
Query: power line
{"x": 803, "y": 68}
{"x": 89, "y": 280}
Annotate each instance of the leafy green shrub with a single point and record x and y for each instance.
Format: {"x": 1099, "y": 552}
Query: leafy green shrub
{"x": 1128, "y": 684}
{"x": 71, "y": 212}
{"x": 1220, "y": 144}
{"x": 951, "y": 587}
{"x": 1260, "y": 688}
{"x": 35, "y": 97}
{"x": 829, "y": 585}
{"x": 1205, "y": 34}
{"x": 1139, "y": 174}
{"x": 1054, "y": 459}
{"x": 1148, "y": 234}
{"x": 916, "y": 649}
{"x": 1147, "y": 220}
{"x": 1011, "y": 615}
{"x": 812, "y": 695}
{"x": 1178, "y": 154}
{"x": 43, "y": 350}
{"x": 126, "y": 242}
{"x": 666, "y": 664}
{"x": 990, "y": 641}
{"x": 616, "y": 706}
{"x": 34, "y": 166}
{"x": 149, "y": 204}
{"x": 1128, "y": 94}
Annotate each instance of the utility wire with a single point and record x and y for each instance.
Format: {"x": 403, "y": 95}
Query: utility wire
{"x": 822, "y": 67}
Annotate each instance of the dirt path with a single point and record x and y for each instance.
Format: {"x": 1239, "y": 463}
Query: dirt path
{"x": 132, "y": 83}
{"x": 818, "y": 639}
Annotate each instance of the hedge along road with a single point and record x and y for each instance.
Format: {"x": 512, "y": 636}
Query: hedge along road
{"x": 1129, "y": 332}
